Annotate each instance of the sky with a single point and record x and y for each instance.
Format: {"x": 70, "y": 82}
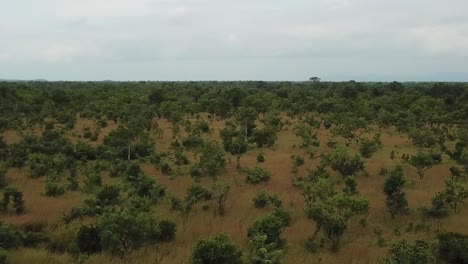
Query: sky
{"x": 271, "y": 40}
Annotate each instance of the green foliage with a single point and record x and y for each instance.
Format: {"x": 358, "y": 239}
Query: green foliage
{"x": 262, "y": 199}
{"x": 167, "y": 230}
{"x": 350, "y": 185}
{"x": 211, "y": 161}
{"x": 309, "y": 138}
{"x": 53, "y": 189}
{"x": 92, "y": 181}
{"x": 424, "y": 138}
{"x": 423, "y": 161}
{"x": 395, "y": 197}
{"x": 3, "y": 181}
{"x": 196, "y": 193}
{"x": 257, "y": 175}
{"x": 368, "y": 147}
{"x": 260, "y": 158}
{"x": 88, "y": 239}
{"x": 3, "y": 256}
{"x": 147, "y": 187}
{"x": 339, "y": 160}
{"x": 217, "y": 249}
{"x": 453, "y": 247}
{"x": 404, "y": 252}
{"x": 455, "y": 193}
{"x": 16, "y": 197}
{"x": 9, "y": 237}
{"x": 263, "y": 252}
{"x": 264, "y": 137}
{"x": 126, "y": 230}
{"x": 329, "y": 209}
{"x": 271, "y": 226}
{"x": 439, "y": 206}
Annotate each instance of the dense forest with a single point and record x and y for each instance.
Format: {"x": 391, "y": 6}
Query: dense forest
{"x": 233, "y": 172}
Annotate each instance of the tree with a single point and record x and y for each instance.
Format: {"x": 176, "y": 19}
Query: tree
{"x": 220, "y": 193}
{"x": 404, "y": 252}
{"x": 126, "y": 229}
{"x": 265, "y": 137}
{"x": 423, "y": 161}
{"x": 439, "y": 207}
{"x": 339, "y": 160}
{"x": 331, "y": 210}
{"x": 369, "y": 147}
{"x": 17, "y": 197}
{"x": 453, "y": 247}
{"x": 3, "y": 182}
{"x": 246, "y": 117}
{"x": 456, "y": 172}
{"x": 395, "y": 196}
{"x": 257, "y": 175}
{"x": 264, "y": 253}
{"x": 211, "y": 161}
{"x": 9, "y": 237}
{"x": 455, "y": 193}
{"x": 217, "y": 249}
{"x": 271, "y": 226}
{"x": 309, "y": 138}
{"x": 314, "y": 79}
{"x": 88, "y": 239}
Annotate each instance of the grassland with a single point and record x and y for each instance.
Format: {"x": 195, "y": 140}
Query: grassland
{"x": 359, "y": 244}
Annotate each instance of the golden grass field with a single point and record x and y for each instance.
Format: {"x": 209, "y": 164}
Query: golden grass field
{"x": 359, "y": 245}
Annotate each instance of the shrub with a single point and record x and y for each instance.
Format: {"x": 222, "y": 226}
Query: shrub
{"x": 3, "y": 256}
{"x": 257, "y": 175}
{"x": 218, "y": 249}
{"x": 196, "y": 192}
{"x": 261, "y": 199}
{"x": 9, "y": 237}
{"x": 260, "y": 158}
{"x": 453, "y": 247}
{"x": 167, "y": 230}
{"x": 88, "y": 239}
{"x": 53, "y": 189}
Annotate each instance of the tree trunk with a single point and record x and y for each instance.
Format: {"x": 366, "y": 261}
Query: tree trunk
{"x": 128, "y": 152}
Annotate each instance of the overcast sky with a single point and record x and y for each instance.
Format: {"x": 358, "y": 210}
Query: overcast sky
{"x": 234, "y": 40}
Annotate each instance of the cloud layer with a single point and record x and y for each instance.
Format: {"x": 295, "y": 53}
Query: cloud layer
{"x": 244, "y": 39}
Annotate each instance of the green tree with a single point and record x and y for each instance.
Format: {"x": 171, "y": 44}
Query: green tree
{"x": 404, "y": 252}
{"x": 453, "y": 247}
{"x": 395, "y": 197}
{"x": 217, "y": 249}
{"x": 455, "y": 193}
{"x": 88, "y": 239}
{"x": 340, "y": 160}
{"x": 211, "y": 161}
{"x": 125, "y": 230}
{"x": 423, "y": 161}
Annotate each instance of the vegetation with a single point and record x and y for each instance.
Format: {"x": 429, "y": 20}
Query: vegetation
{"x": 109, "y": 172}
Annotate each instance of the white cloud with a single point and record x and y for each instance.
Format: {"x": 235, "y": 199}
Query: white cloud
{"x": 442, "y": 40}
{"x": 325, "y": 33}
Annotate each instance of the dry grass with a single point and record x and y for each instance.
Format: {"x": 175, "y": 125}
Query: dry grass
{"x": 359, "y": 244}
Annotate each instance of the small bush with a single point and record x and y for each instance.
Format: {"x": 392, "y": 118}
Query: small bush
{"x": 260, "y": 158}
{"x": 88, "y": 239}
{"x": 261, "y": 199}
{"x": 53, "y": 189}
{"x": 257, "y": 175}
{"x": 453, "y": 247}
{"x": 167, "y": 230}
{"x": 9, "y": 237}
